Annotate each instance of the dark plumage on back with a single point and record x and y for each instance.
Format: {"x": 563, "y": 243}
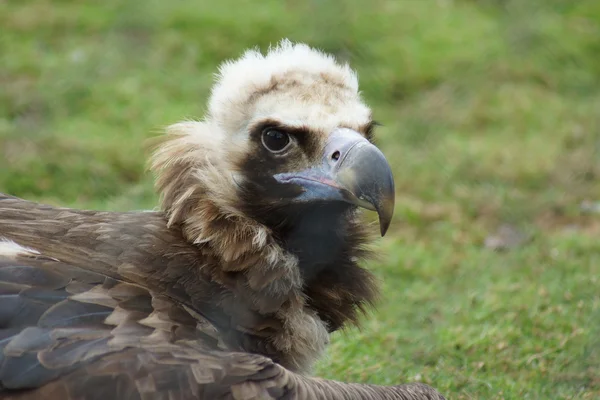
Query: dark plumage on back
{"x": 232, "y": 290}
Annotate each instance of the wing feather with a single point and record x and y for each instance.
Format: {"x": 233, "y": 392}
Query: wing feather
{"x": 71, "y": 334}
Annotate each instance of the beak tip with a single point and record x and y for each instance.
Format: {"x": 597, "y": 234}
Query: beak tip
{"x": 383, "y": 230}
{"x": 384, "y": 224}
{"x": 385, "y": 208}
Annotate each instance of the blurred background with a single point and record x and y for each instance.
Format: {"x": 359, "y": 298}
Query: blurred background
{"x": 491, "y": 119}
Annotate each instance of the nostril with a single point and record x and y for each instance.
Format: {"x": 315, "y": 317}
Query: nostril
{"x": 335, "y": 156}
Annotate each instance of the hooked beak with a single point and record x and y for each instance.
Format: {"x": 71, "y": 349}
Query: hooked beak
{"x": 353, "y": 170}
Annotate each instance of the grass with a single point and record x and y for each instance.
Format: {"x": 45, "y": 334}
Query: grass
{"x": 492, "y": 116}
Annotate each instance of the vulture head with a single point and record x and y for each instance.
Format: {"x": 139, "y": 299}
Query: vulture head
{"x": 298, "y": 135}
{"x": 282, "y": 160}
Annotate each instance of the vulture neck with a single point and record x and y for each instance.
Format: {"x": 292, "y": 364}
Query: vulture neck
{"x": 328, "y": 240}
{"x": 318, "y": 236}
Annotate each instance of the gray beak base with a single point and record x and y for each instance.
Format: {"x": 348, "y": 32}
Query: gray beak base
{"x": 353, "y": 170}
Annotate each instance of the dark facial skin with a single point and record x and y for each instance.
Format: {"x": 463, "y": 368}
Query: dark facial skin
{"x": 298, "y": 186}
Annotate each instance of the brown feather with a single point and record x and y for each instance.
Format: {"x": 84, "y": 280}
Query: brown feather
{"x": 137, "y": 348}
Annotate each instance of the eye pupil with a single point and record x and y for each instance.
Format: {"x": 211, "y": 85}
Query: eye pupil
{"x": 274, "y": 140}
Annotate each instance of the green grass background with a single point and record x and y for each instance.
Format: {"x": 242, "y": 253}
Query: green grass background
{"x": 491, "y": 113}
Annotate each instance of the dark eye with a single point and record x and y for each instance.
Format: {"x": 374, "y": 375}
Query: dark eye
{"x": 275, "y": 141}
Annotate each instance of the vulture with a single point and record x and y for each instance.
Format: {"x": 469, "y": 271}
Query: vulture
{"x": 232, "y": 289}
